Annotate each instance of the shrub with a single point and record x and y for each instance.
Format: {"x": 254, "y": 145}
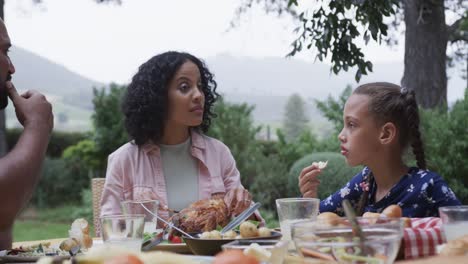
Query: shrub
{"x": 445, "y": 135}
{"x": 270, "y": 181}
{"x": 85, "y": 210}
{"x": 332, "y": 178}
{"x": 59, "y": 140}
{"x": 59, "y": 184}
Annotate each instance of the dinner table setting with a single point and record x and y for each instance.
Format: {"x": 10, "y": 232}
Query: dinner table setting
{"x": 140, "y": 235}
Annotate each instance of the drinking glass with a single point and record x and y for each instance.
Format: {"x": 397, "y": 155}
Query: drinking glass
{"x": 148, "y": 208}
{"x": 454, "y": 221}
{"x": 293, "y": 210}
{"x": 125, "y": 231}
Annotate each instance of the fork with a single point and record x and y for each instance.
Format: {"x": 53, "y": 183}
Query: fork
{"x": 156, "y": 240}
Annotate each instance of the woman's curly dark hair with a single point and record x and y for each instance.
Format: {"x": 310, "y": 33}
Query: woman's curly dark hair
{"x": 145, "y": 102}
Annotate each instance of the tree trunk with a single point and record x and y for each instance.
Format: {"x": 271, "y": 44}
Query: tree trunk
{"x": 425, "y": 51}
{"x": 3, "y": 143}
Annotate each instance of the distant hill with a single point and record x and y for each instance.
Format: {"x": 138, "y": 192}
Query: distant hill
{"x": 265, "y": 83}
{"x": 39, "y": 73}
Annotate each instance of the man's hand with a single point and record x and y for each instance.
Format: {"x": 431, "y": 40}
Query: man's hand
{"x": 308, "y": 182}
{"x": 32, "y": 109}
{"x": 237, "y": 200}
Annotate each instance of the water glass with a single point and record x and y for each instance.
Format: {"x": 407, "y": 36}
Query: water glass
{"x": 125, "y": 231}
{"x": 148, "y": 208}
{"x": 454, "y": 221}
{"x": 293, "y": 210}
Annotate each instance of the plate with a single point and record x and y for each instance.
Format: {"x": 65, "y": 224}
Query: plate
{"x": 181, "y": 248}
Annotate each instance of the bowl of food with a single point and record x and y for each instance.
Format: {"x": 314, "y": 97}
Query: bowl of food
{"x": 209, "y": 243}
{"x": 336, "y": 239}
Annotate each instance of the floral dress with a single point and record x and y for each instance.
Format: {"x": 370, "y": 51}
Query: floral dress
{"x": 419, "y": 193}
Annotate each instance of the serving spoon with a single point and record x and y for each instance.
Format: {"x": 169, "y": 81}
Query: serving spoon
{"x": 356, "y": 228}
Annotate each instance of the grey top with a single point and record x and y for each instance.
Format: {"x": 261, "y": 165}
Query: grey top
{"x": 180, "y": 173}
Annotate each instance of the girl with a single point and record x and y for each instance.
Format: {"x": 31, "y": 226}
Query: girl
{"x": 167, "y": 107}
{"x": 380, "y": 121}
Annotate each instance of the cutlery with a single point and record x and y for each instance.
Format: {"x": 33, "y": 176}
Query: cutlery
{"x": 356, "y": 228}
{"x": 154, "y": 241}
{"x": 168, "y": 224}
{"x": 240, "y": 218}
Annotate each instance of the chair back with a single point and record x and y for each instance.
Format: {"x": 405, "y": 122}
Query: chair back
{"x": 97, "y": 186}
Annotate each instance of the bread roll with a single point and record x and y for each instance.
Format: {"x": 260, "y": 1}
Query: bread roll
{"x": 329, "y": 218}
{"x": 393, "y": 211}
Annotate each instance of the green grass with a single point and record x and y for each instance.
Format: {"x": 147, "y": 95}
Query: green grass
{"x": 50, "y": 223}
{"x": 27, "y": 230}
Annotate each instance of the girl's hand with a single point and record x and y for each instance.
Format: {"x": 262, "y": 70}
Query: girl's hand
{"x": 308, "y": 182}
{"x": 237, "y": 200}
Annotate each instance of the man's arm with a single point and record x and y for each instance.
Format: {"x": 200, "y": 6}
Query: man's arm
{"x": 20, "y": 168}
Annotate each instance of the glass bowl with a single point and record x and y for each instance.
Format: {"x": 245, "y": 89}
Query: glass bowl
{"x": 334, "y": 239}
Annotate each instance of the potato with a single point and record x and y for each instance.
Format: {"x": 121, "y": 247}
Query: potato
{"x": 247, "y": 229}
{"x": 205, "y": 235}
{"x": 264, "y": 232}
{"x": 215, "y": 234}
{"x": 230, "y": 235}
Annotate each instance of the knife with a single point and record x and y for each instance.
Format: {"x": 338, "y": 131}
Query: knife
{"x": 240, "y": 218}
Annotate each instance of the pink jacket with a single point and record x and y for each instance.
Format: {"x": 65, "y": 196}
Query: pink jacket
{"x": 135, "y": 173}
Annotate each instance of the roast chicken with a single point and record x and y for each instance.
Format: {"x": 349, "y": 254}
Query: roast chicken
{"x": 208, "y": 214}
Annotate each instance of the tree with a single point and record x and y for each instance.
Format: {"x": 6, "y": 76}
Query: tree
{"x": 333, "y": 109}
{"x": 235, "y": 127}
{"x": 108, "y": 122}
{"x": 331, "y": 28}
{"x": 3, "y": 144}
{"x": 295, "y": 117}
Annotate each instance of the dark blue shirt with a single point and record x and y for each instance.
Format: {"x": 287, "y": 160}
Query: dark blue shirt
{"x": 419, "y": 193}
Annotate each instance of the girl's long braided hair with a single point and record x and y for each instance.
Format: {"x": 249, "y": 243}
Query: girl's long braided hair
{"x": 391, "y": 103}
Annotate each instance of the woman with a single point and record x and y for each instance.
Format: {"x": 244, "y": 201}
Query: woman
{"x": 167, "y": 107}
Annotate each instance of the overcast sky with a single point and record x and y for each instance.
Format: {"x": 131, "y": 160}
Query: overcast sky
{"x": 108, "y": 42}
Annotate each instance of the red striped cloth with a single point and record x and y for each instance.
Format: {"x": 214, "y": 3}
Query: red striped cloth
{"x": 422, "y": 238}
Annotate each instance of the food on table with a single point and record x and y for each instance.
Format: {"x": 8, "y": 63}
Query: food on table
{"x": 215, "y": 234}
{"x": 371, "y": 215}
{"x": 231, "y": 234}
{"x": 234, "y": 257}
{"x": 390, "y": 211}
{"x": 393, "y": 211}
{"x": 80, "y": 231}
{"x": 112, "y": 254}
{"x": 329, "y": 218}
{"x": 68, "y": 244}
{"x": 37, "y": 250}
{"x": 203, "y": 215}
{"x": 124, "y": 259}
{"x": 174, "y": 239}
{"x": 256, "y": 251}
{"x": 264, "y": 232}
{"x": 456, "y": 247}
{"x": 248, "y": 229}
